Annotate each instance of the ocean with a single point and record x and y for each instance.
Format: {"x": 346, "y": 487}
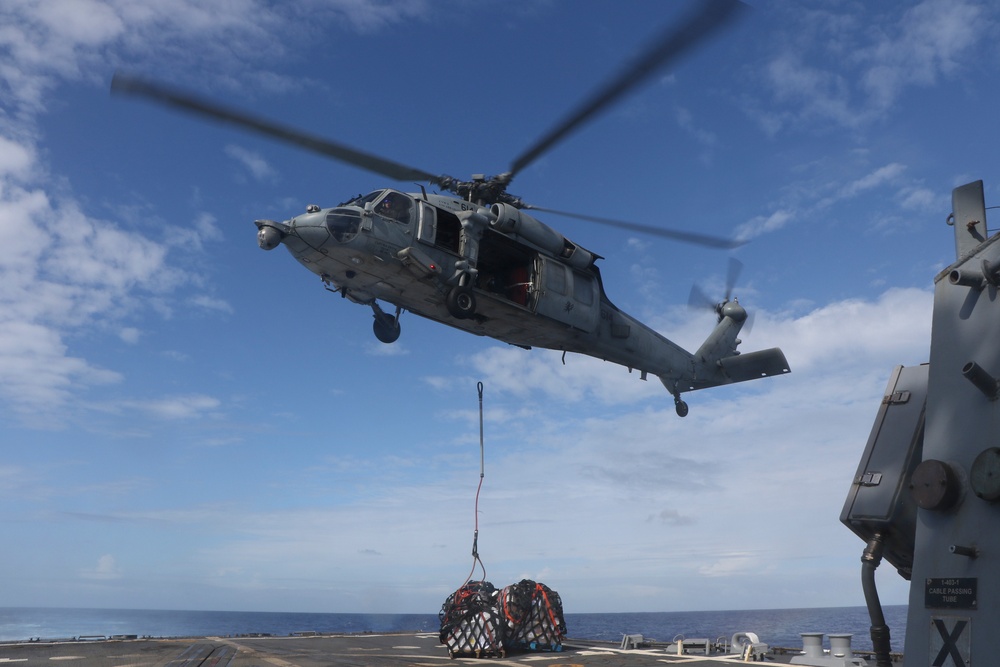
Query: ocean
{"x": 777, "y": 627}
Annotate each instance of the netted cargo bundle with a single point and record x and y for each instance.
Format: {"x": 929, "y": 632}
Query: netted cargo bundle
{"x": 471, "y": 624}
{"x": 542, "y": 626}
{"x": 514, "y": 602}
{"x": 478, "y": 620}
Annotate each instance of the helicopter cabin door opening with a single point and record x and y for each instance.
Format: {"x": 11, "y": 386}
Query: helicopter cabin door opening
{"x": 506, "y": 269}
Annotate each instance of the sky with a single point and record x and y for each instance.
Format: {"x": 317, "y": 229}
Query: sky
{"x": 188, "y": 422}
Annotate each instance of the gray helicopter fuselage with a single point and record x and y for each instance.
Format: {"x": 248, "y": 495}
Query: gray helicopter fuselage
{"x": 532, "y": 287}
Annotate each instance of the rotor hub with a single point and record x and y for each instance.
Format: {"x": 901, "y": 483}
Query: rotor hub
{"x": 733, "y": 310}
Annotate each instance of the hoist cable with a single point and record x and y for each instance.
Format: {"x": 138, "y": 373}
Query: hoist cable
{"x": 482, "y": 474}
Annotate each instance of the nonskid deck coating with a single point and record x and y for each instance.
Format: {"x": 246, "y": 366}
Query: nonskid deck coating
{"x": 355, "y": 650}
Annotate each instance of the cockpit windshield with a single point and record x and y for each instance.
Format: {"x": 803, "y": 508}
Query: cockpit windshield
{"x": 343, "y": 223}
{"x": 361, "y": 200}
{"x": 387, "y": 203}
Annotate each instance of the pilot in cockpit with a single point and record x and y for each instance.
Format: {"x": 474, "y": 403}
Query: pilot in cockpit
{"x": 395, "y": 206}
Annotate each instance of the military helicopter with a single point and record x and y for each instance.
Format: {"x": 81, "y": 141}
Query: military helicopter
{"x": 477, "y": 261}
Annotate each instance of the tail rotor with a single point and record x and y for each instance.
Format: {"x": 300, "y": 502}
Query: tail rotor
{"x": 729, "y": 306}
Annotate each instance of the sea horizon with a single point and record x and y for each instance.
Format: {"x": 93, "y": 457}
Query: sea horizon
{"x": 775, "y": 626}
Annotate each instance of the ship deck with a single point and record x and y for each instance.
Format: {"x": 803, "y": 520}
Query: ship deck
{"x": 354, "y": 650}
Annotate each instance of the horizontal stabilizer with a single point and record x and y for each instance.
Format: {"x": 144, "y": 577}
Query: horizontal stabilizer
{"x": 754, "y": 365}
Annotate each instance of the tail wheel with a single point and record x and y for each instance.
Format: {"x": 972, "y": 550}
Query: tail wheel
{"x": 461, "y": 302}
{"x": 681, "y": 407}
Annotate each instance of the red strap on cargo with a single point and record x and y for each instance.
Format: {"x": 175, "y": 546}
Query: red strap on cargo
{"x": 548, "y": 605}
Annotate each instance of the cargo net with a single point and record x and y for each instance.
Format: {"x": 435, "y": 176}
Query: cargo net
{"x": 479, "y": 621}
{"x": 470, "y": 622}
{"x": 534, "y": 617}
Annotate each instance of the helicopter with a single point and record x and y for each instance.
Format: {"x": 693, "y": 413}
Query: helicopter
{"x": 476, "y": 260}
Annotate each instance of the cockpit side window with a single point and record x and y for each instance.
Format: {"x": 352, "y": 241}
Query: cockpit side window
{"x": 395, "y": 206}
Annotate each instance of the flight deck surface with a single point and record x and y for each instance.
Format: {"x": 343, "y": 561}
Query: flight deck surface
{"x": 360, "y": 650}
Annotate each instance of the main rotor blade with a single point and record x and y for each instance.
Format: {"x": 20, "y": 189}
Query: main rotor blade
{"x": 711, "y": 15}
{"x": 674, "y": 234}
{"x": 122, "y": 83}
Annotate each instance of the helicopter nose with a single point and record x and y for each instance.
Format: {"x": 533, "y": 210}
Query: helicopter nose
{"x": 270, "y": 234}
{"x": 268, "y": 238}
{"x": 310, "y": 228}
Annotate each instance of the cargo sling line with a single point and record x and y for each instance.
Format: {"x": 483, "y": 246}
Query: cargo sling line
{"x": 482, "y": 474}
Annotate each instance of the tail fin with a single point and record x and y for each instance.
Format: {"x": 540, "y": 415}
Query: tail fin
{"x": 723, "y": 340}
{"x": 718, "y": 362}
{"x": 721, "y": 363}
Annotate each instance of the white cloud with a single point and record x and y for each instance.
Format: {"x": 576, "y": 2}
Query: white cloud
{"x": 106, "y": 569}
{"x": 871, "y": 66}
{"x": 87, "y": 252}
{"x": 853, "y": 333}
{"x": 16, "y": 159}
{"x": 887, "y": 174}
{"x": 61, "y": 267}
{"x": 77, "y": 23}
{"x": 928, "y": 42}
{"x": 764, "y": 224}
{"x": 37, "y": 375}
{"x": 51, "y": 40}
{"x": 528, "y": 373}
{"x": 377, "y": 349}
{"x": 815, "y": 200}
{"x": 212, "y": 303}
{"x": 368, "y": 17}
{"x": 915, "y": 198}
{"x": 15, "y": 481}
{"x": 733, "y": 565}
{"x": 177, "y": 407}
{"x": 706, "y": 139}
{"x": 809, "y": 91}
{"x": 253, "y": 162}
{"x": 200, "y": 231}
{"x": 130, "y": 335}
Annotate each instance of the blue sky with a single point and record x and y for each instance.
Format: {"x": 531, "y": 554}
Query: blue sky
{"x": 190, "y": 423}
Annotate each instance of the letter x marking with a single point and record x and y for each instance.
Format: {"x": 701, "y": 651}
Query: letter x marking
{"x": 949, "y": 647}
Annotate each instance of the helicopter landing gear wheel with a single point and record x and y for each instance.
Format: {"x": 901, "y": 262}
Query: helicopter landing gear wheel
{"x": 386, "y": 326}
{"x": 461, "y": 302}
{"x": 680, "y": 406}
{"x": 386, "y": 330}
